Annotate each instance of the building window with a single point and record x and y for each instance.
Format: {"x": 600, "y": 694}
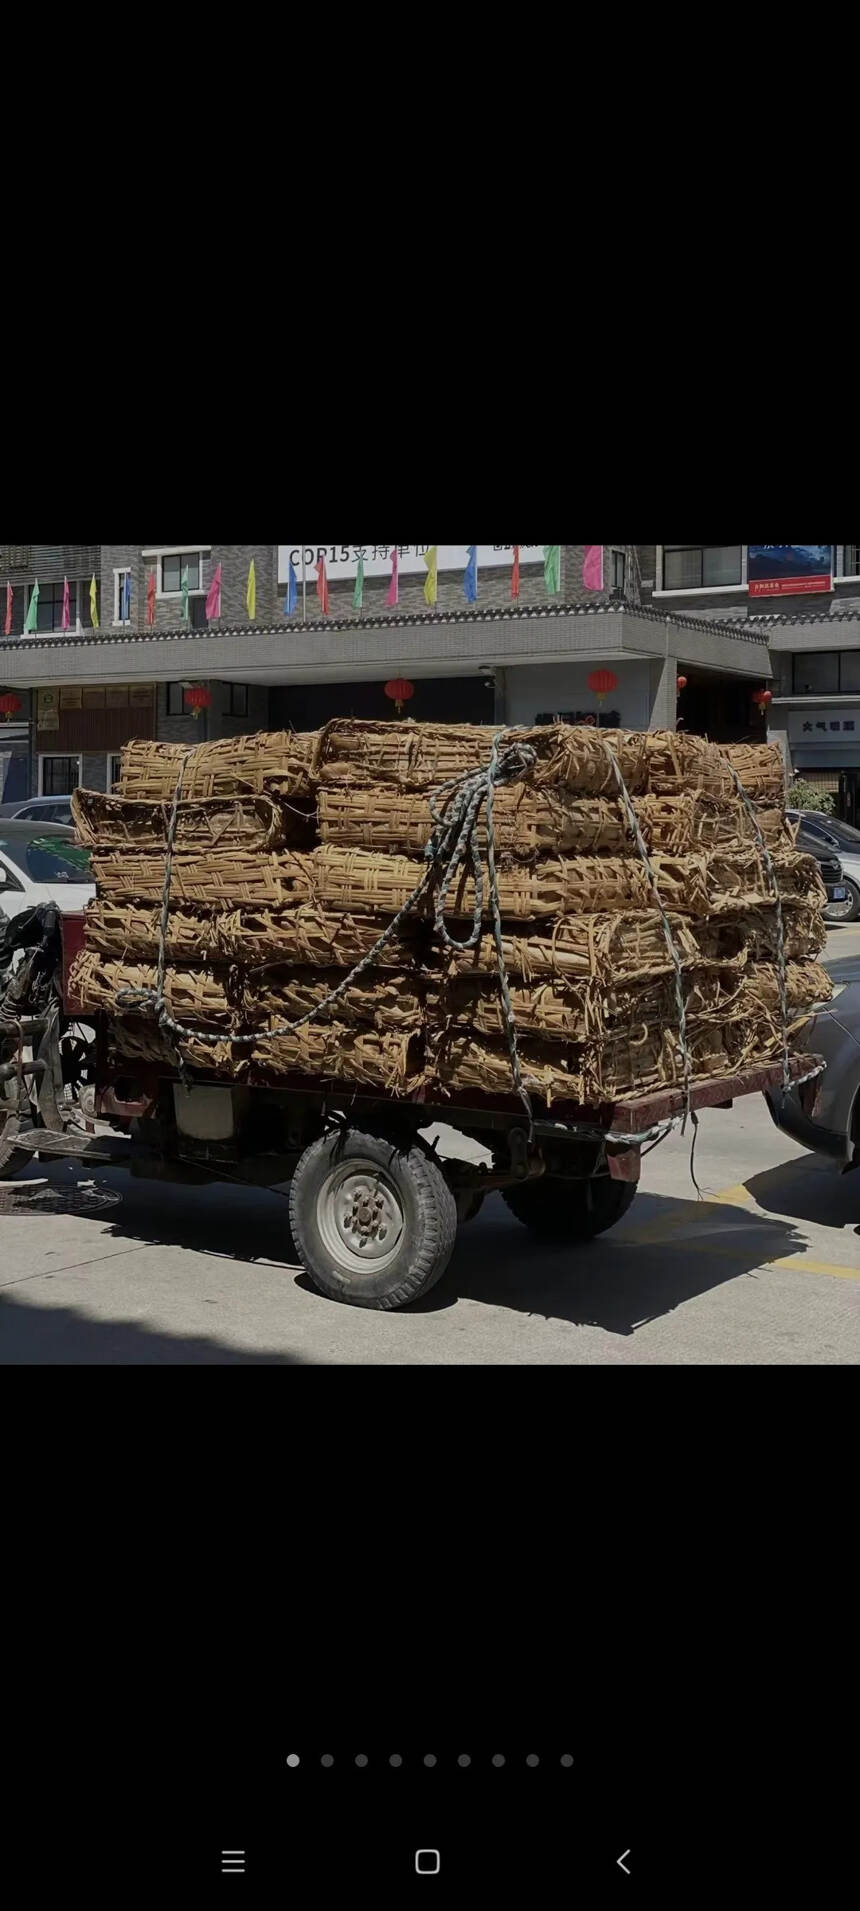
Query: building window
{"x": 171, "y": 569}
{"x": 114, "y": 771}
{"x": 690, "y": 567}
{"x": 816, "y": 673}
{"x": 238, "y": 700}
{"x": 49, "y": 611}
{"x": 176, "y": 706}
{"x": 619, "y": 570}
{"x": 122, "y": 597}
{"x": 849, "y": 673}
{"x": 850, "y": 560}
{"x": 59, "y": 775}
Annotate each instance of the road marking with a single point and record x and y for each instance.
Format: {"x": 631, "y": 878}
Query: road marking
{"x": 672, "y": 1228}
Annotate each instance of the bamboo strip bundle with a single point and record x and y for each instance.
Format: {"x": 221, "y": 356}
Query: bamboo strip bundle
{"x": 278, "y": 763}
{"x": 309, "y": 937}
{"x": 603, "y": 946}
{"x": 386, "y": 1001}
{"x": 690, "y": 885}
{"x": 192, "y": 995}
{"x": 223, "y": 822}
{"x": 276, "y": 878}
{"x": 804, "y": 931}
{"x": 214, "y": 998}
{"x": 528, "y": 822}
{"x": 366, "y": 1057}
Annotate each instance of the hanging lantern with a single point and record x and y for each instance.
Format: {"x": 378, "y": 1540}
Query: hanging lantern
{"x": 601, "y": 683}
{"x": 198, "y": 698}
{"x": 763, "y": 698}
{"x": 9, "y": 704}
{"x": 399, "y": 691}
{"x": 682, "y": 684}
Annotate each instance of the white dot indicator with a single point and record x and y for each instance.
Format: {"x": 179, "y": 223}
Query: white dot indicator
{"x": 293, "y": 1759}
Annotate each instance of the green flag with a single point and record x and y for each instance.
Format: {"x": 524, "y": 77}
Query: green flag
{"x": 32, "y": 607}
{"x": 358, "y": 593}
{"x": 552, "y": 569}
{"x": 184, "y": 582}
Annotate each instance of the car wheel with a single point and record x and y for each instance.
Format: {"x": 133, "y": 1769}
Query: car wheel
{"x": 847, "y": 911}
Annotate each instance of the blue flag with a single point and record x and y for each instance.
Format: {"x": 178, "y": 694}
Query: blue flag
{"x": 470, "y": 581}
{"x": 291, "y": 598}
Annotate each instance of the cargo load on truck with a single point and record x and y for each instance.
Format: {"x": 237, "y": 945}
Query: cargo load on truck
{"x": 575, "y": 915}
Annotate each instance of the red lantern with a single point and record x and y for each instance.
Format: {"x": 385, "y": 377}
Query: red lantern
{"x": 399, "y": 691}
{"x": 763, "y": 698}
{"x": 9, "y": 703}
{"x": 682, "y": 684}
{"x": 601, "y": 683}
{"x": 198, "y": 698}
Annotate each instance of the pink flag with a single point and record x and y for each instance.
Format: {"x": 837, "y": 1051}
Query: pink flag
{"x": 592, "y": 570}
{"x": 8, "y": 609}
{"x": 213, "y": 596}
{"x": 394, "y": 587}
{"x": 65, "y": 620}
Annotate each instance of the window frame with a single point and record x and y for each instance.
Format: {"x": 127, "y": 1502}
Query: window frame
{"x": 233, "y": 711}
{"x": 823, "y": 694}
{"x": 57, "y": 756}
{"x": 699, "y": 590}
{"x": 120, "y": 622}
{"x": 182, "y": 711}
{"x": 109, "y": 757}
{"x": 200, "y": 551}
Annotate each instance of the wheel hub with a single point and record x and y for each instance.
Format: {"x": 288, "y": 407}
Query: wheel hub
{"x": 360, "y": 1215}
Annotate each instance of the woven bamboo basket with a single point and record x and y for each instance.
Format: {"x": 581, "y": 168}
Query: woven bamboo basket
{"x": 130, "y": 931}
{"x": 228, "y": 998}
{"x": 223, "y": 822}
{"x": 761, "y": 769}
{"x": 278, "y": 763}
{"x": 309, "y": 937}
{"x": 209, "y": 997}
{"x": 382, "y": 1000}
{"x": 361, "y": 1058}
{"x": 222, "y": 877}
{"x": 421, "y": 756}
{"x": 587, "y": 1011}
{"x": 804, "y": 931}
{"x": 529, "y": 823}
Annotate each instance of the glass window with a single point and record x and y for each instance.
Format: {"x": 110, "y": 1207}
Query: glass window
{"x": 238, "y": 699}
{"x": 48, "y": 859}
{"x": 114, "y": 771}
{"x": 849, "y": 672}
{"x": 688, "y": 567}
{"x": 816, "y": 673}
{"x": 173, "y": 567}
{"x": 851, "y": 560}
{"x": 49, "y": 611}
{"x": 175, "y": 700}
{"x": 619, "y": 570}
{"x": 60, "y": 775}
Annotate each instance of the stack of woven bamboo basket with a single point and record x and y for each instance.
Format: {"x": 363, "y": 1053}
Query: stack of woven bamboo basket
{"x": 294, "y": 854}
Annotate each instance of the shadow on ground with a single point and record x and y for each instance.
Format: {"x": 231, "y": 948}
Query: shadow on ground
{"x": 33, "y": 1336}
{"x": 809, "y": 1188}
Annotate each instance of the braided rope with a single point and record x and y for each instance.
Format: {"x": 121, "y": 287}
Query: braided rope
{"x": 453, "y": 842}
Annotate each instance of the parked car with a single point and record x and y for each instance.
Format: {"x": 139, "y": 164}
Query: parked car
{"x": 842, "y": 840}
{"x": 39, "y": 809}
{"x": 829, "y": 866}
{"x": 824, "y": 1114}
{"x": 42, "y": 863}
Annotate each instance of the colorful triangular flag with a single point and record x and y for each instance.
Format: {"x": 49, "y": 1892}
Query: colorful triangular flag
{"x": 66, "y": 617}
{"x": 292, "y": 597}
{"x": 431, "y": 585}
{"x": 515, "y": 576}
{"x": 592, "y": 569}
{"x": 184, "y": 583}
{"x": 393, "y": 596}
{"x": 251, "y": 592}
{"x": 213, "y": 596}
{"x": 150, "y": 599}
{"x": 322, "y": 584}
{"x": 94, "y": 604}
{"x": 8, "y": 624}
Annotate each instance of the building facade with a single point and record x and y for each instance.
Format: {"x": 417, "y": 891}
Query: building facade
{"x": 478, "y": 654}
{"x": 805, "y": 602}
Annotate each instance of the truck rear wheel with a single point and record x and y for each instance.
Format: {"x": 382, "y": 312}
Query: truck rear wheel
{"x": 374, "y": 1221}
{"x": 561, "y": 1210}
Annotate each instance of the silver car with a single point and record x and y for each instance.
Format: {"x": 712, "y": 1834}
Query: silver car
{"x": 824, "y": 1114}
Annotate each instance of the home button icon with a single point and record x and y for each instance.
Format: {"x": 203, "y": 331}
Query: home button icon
{"x": 428, "y": 1863}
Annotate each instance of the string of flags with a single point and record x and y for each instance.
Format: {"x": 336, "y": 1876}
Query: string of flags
{"x": 592, "y": 578}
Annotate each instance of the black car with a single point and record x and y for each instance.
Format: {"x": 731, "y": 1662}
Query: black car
{"x": 829, "y": 866}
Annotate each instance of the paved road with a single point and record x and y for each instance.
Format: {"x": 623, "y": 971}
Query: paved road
{"x": 765, "y": 1269}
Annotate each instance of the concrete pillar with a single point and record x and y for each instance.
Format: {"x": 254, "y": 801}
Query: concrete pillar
{"x": 663, "y": 692}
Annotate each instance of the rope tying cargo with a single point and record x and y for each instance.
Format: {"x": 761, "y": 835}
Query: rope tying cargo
{"x": 453, "y": 843}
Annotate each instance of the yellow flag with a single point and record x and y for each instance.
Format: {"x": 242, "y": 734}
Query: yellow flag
{"x": 431, "y": 559}
{"x": 94, "y": 605}
{"x": 251, "y": 593}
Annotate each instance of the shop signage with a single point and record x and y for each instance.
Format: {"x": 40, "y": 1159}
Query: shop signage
{"x": 140, "y": 695}
{"x": 342, "y": 559}
{"x": 789, "y": 570}
{"x": 823, "y": 726}
{"x": 48, "y": 710}
{"x": 94, "y": 696}
{"x": 71, "y": 697}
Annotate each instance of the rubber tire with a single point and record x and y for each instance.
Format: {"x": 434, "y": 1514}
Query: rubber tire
{"x": 837, "y": 922}
{"x": 559, "y": 1210}
{"x": 430, "y": 1221}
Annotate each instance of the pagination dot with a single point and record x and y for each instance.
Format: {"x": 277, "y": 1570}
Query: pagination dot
{"x": 464, "y": 1759}
{"x": 430, "y": 1759}
{"x": 498, "y": 1758}
{"x": 566, "y": 1759}
{"x": 293, "y": 1759}
{"x": 361, "y": 1759}
{"x": 532, "y": 1759}
{"x": 395, "y": 1759}
{"x": 326, "y": 1759}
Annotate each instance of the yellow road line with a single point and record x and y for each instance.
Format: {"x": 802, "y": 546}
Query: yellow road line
{"x": 738, "y": 1196}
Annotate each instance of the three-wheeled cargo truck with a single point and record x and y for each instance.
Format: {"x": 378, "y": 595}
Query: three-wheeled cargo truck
{"x": 374, "y": 1208}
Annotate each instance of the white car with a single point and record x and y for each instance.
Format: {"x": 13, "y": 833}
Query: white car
{"x": 844, "y": 841}
{"x": 42, "y": 863}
